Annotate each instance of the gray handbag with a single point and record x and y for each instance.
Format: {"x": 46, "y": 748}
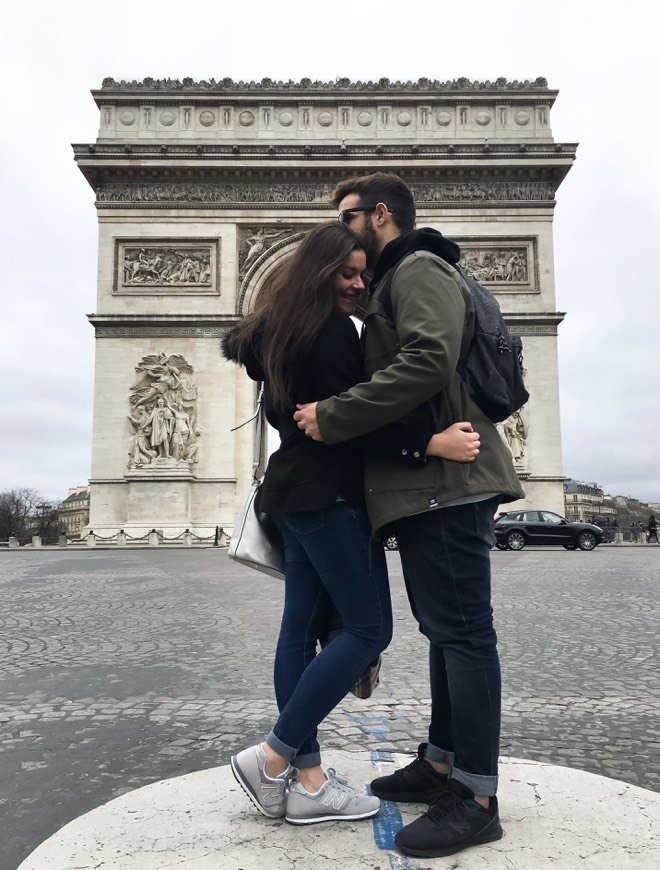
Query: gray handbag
{"x": 256, "y": 541}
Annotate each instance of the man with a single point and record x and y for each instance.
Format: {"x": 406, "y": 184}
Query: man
{"x": 419, "y": 321}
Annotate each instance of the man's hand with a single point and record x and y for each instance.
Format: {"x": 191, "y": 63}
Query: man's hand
{"x": 305, "y": 417}
{"x": 459, "y": 443}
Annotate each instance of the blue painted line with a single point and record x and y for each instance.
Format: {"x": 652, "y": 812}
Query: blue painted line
{"x": 386, "y": 824}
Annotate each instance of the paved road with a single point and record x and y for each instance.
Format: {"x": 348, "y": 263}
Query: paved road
{"x": 121, "y": 668}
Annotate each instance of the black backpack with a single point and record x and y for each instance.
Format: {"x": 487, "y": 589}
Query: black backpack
{"x": 492, "y": 368}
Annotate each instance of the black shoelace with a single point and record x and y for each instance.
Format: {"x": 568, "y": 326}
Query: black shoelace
{"x": 447, "y": 803}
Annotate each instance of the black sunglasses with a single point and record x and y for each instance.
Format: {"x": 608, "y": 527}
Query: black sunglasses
{"x": 343, "y": 215}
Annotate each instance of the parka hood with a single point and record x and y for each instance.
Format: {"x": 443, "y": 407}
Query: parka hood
{"x": 424, "y": 239}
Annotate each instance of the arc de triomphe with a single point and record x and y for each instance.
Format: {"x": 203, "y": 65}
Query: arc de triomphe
{"x": 202, "y": 186}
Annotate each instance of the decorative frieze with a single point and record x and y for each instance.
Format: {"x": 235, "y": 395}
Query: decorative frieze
{"x": 219, "y": 194}
{"x": 524, "y": 329}
{"x": 321, "y": 110}
{"x": 161, "y": 331}
{"x": 166, "y": 266}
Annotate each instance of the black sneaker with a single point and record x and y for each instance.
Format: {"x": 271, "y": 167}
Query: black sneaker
{"x": 454, "y": 822}
{"x": 418, "y": 782}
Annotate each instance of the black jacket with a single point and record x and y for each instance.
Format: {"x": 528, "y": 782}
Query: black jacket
{"x": 303, "y": 474}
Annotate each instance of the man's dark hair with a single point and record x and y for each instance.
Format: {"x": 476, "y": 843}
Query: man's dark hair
{"x": 381, "y": 187}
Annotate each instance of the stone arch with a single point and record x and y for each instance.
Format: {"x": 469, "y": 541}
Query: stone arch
{"x": 263, "y": 266}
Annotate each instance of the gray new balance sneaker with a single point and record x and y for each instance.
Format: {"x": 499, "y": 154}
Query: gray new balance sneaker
{"x": 334, "y": 800}
{"x": 268, "y": 795}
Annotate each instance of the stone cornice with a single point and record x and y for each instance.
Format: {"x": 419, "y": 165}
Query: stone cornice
{"x": 268, "y": 87}
{"x": 541, "y": 323}
{"x": 199, "y": 152}
{"x": 161, "y": 325}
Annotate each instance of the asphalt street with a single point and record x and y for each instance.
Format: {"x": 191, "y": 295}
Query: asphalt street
{"x": 120, "y": 668}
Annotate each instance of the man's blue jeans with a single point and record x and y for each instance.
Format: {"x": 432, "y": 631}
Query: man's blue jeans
{"x": 445, "y": 554}
{"x": 330, "y": 559}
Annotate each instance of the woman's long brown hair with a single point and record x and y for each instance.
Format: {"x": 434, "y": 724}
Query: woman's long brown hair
{"x": 297, "y": 299}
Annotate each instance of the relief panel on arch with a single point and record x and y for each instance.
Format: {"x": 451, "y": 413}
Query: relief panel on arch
{"x": 167, "y": 267}
{"x": 502, "y": 265}
{"x": 255, "y": 241}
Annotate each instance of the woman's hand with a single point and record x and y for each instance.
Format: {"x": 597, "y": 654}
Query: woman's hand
{"x": 459, "y": 442}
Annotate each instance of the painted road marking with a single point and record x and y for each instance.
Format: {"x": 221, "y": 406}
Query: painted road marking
{"x": 388, "y": 822}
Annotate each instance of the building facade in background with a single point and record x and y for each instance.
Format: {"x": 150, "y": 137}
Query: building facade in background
{"x": 586, "y": 503}
{"x": 203, "y": 187}
{"x": 73, "y": 512}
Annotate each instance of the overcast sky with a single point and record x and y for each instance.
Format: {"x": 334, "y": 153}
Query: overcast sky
{"x": 601, "y": 56}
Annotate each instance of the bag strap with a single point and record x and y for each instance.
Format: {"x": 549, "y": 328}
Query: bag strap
{"x": 259, "y": 415}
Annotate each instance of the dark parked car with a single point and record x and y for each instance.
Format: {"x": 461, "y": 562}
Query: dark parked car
{"x": 517, "y": 529}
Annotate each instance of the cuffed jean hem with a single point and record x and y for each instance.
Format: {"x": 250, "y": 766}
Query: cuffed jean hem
{"x": 434, "y": 753}
{"x": 311, "y": 759}
{"x": 483, "y": 785}
{"x": 281, "y": 748}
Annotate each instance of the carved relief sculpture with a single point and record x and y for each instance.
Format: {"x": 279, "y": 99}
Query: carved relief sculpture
{"x": 501, "y": 265}
{"x": 253, "y": 243}
{"x": 514, "y": 431}
{"x": 159, "y": 266}
{"x": 516, "y": 191}
{"x": 163, "y": 418}
{"x": 166, "y": 266}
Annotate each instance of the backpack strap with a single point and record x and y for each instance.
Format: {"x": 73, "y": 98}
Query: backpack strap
{"x": 385, "y": 299}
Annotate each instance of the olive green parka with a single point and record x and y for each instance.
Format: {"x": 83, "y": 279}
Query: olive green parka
{"x": 411, "y": 344}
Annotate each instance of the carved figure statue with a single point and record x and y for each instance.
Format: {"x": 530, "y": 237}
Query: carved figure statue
{"x": 162, "y": 424}
{"x": 515, "y": 430}
{"x": 257, "y": 244}
{"x": 192, "y": 446}
{"x": 140, "y": 453}
{"x": 180, "y": 432}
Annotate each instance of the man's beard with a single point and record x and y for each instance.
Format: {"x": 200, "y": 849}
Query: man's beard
{"x": 369, "y": 240}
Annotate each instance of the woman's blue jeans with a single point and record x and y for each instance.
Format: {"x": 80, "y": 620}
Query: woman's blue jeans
{"x": 330, "y": 559}
{"x": 445, "y": 554}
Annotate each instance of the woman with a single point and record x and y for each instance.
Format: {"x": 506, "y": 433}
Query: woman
{"x": 303, "y": 345}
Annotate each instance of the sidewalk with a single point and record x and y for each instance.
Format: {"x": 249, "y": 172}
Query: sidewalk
{"x": 124, "y": 671}
{"x": 553, "y": 817}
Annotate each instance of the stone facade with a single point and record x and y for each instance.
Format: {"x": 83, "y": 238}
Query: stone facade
{"x": 73, "y": 512}
{"x": 201, "y": 187}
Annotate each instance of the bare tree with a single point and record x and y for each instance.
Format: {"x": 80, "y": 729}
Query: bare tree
{"x": 25, "y": 512}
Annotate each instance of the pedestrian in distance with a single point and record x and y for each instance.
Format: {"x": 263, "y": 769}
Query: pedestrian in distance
{"x": 441, "y": 512}
{"x": 301, "y": 343}
{"x": 652, "y": 530}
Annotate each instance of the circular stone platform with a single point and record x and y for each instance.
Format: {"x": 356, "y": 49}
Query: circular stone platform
{"x": 553, "y": 817}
